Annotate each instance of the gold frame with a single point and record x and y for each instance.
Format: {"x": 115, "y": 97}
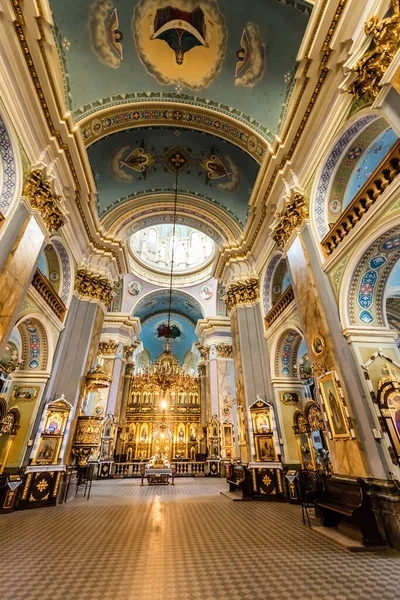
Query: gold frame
{"x": 332, "y": 377}
{"x": 15, "y": 398}
{"x": 224, "y": 436}
{"x": 258, "y": 439}
{"x": 52, "y": 460}
{"x": 292, "y": 402}
{"x": 323, "y": 345}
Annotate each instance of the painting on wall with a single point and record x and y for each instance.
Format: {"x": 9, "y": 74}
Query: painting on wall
{"x": 335, "y": 409}
{"x": 227, "y": 436}
{"x": 289, "y": 398}
{"x": 180, "y": 46}
{"x": 250, "y": 57}
{"x": 48, "y": 450}
{"x": 25, "y": 393}
{"x": 265, "y": 448}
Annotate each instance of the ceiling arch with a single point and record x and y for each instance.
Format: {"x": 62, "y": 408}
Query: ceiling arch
{"x": 132, "y": 215}
{"x": 157, "y": 303}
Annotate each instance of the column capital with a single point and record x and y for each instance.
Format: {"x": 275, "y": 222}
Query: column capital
{"x": 224, "y": 350}
{"x": 93, "y": 286}
{"x": 242, "y": 292}
{"x": 38, "y": 192}
{"x": 292, "y": 217}
{"x": 108, "y": 348}
{"x": 128, "y": 350}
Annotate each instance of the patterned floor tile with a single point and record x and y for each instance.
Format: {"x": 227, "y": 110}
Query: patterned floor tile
{"x": 182, "y": 542}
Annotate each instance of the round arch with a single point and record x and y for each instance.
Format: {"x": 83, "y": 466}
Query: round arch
{"x": 275, "y": 281}
{"x": 37, "y": 343}
{"x": 10, "y": 167}
{"x": 66, "y": 286}
{"x": 157, "y": 113}
{"x": 332, "y": 161}
{"x": 194, "y": 211}
{"x": 284, "y": 351}
{"x": 149, "y": 302}
{"x": 362, "y": 301}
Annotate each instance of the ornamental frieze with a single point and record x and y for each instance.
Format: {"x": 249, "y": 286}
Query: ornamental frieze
{"x": 89, "y": 285}
{"x": 243, "y": 292}
{"x": 385, "y": 40}
{"x": 41, "y": 198}
{"x": 294, "y": 214}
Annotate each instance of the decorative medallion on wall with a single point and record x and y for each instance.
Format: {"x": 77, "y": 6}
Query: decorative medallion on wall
{"x": 206, "y": 292}
{"x": 318, "y": 345}
{"x": 25, "y": 394}
{"x": 134, "y": 288}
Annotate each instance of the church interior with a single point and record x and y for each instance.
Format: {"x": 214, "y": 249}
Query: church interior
{"x": 199, "y": 299}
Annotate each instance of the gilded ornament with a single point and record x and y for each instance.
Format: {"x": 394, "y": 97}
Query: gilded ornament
{"x": 224, "y": 350}
{"x": 128, "y": 349}
{"x": 294, "y": 214}
{"x": 318, "y": 345}
{"x": 97, "y": 379}
{"x": 107, "y": 348}
{"x": 246, "y": 292}
{"x": 201, "y": 369}
{"x": 41, "y": 198}
{"x": 87, "y": 437}
{"x": 373, "y": 65}
{"x": 92, "y": 286}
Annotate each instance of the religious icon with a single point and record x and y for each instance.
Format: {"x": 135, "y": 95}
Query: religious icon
{"x": 24, "y": 394}
{"x": 265, "y": 448}
{"x": 54, "y": 423}
{"x": 181, "y": 30}
{"x": 250, "y": 57}
{"x": 227, "y": 435}
{"x": 206, "y": 292}
{"x": 393, "y": 403}
{"x": 334, "y": 406}
{"x": 134, "y": 288}
{"x": 192, "y": 434}
{"x": 48, "y": 450}
{"x": 262, "y": 423}
{"x": 318, "y": 345}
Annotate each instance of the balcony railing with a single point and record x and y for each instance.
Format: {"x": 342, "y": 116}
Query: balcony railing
{"x": 49, "y": 295}
{"x": 380, "y": 179}
{"x": 182, "y": 469}
{"x": 280, "y": 305}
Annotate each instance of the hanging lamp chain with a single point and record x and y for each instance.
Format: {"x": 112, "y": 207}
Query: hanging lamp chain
{"x": 172, "y": 254}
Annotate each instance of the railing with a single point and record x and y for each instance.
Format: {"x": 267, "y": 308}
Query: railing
{"x": 280, "y": 305}
{"x": 380, "y": 179}
{"x": 49, "y": 295}
{"x": 182, "y": 469}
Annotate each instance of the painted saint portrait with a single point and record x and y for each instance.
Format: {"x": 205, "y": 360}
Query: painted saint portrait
{"x": 262, "y": 422}
{"x": 180, "y": 46}
{"x": 393, "y": 403}
{"x": 334, "y": 406}
{"x": 24, "y": 394}
{"x": 227, "y": 435}
{"x": 265, "y": 448}
{"x": 48, "y": 450}
{"x": 318, "y": 345}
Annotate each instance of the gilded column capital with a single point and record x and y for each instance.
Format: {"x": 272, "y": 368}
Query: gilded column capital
{"x": 242, "y": 292}
{"x": 107, "y": 348}
{"x": 129, "y": 369}
{"x": 294, "y": 214}
{"x": 202, "y": 369}
{"x": 224, "y": 350}
{"x": 385, "y": 41}
{"x": 128, "y": 349}
{"x": 204, "y": 353}
{"x": 41, "y": 198}
{"x": 90, "y": 285}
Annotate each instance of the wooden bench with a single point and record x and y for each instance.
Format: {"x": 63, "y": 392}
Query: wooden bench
{"x": 347, "y": 500}
{"x": 239, "y": 479}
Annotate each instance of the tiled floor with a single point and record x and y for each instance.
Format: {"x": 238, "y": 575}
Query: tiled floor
{"x": 186, "y": 542}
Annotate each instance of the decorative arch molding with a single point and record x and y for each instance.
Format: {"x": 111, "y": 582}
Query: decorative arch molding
{"x": 284, "y": 351}
{"x": 329, "y": 166}
{"x": 10, "y": 168}
{"x": 67, "y": 269}
{"x": 313, "y": 416}
{"x": 162, "y": 291}
{"x": 192, "y": 210}
{"x": 154, "y": 112}
{"x": 365, "y": 279}
{"x": 37, "y": 350}
{"x": 267, "y": 283}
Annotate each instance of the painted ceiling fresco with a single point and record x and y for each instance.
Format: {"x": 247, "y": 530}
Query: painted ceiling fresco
{"x": 155, "y": 345}
{"x": 239, "y": 55}
{"x": 139, "y": 162}
{"x": 157, "y": 304}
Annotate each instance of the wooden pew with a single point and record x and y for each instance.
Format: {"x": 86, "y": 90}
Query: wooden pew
{"x": 347, "y": 500}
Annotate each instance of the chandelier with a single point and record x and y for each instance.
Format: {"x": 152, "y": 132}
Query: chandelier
{"x": 163, "y": 374}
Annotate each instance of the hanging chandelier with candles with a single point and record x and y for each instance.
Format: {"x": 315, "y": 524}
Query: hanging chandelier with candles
{"x": 166, "y": 372}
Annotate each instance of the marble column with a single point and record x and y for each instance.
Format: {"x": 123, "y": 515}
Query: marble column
{"x": 216, "y": 350}
{"x": 17, "y": 267}
{"x": 250, "y": 357}
{"x": 319, "y": 318}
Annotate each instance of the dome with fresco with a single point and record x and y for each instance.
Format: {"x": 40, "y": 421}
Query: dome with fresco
{"x": 155, "y": 247}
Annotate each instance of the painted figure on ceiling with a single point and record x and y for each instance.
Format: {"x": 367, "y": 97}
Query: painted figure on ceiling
{"x": 181, "y": 30}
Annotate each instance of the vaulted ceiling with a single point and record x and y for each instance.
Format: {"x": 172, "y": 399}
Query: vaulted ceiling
{"x": 207, "y": 79}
